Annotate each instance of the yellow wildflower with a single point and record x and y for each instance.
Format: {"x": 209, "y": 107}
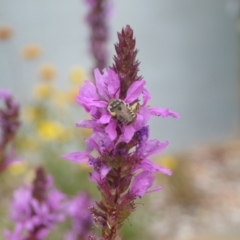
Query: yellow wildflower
{"x": 30, "y": 113}
{"x": 6, "y": 32}
{"x": 17, "y": 168}
{"x": 168, "y": 161}
{"x": 31, "y": 51}
{"x": 42, "y": 91}
{"x": 47, "y": 72}
{"x": 77, "y": 75}
{"x": 50, "y": 130}
{"x": 60, "y": 98}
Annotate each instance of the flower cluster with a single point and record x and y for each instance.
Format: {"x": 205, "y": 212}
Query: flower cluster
{"x": 97, "y": 20}
{"x": 9, "y": 124}
{"x": 36, "y": 209}
{"x": 78, "y": 210}
{"x": 122, "y": 170}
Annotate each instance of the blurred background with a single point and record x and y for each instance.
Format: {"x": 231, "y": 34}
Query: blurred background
{"x": 189, "y": 54}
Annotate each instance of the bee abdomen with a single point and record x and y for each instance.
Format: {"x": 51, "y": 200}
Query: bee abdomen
{"x": 121, "y": 111}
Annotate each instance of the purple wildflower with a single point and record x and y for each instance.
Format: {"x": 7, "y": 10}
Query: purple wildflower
{"x": 122, "y": 170}
{"x": 35, "y": 209}
{"x": 97, "y": 19}
{"x": 9, "y": 124}
{"x": 80, "y": 216}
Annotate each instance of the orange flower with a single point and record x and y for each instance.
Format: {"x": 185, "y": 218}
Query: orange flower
{"x": 6, "y": 32}
{"x": 31, "y": 51}
{"x": 47, "y": 72}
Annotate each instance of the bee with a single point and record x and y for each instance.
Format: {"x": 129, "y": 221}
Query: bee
{"x": 122, "y": 111}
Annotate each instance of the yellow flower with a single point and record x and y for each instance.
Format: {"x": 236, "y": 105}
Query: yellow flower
{"x": 6, "y": 32}
{"x": 31, "y": 51}
{"x": 42, "y": 91}
{"x": 17, "y": 168}
{"x": 77, "y": 75}
{"x": 50, "y": 130}
{"x": 47, "y": 72}
{"x": 30, "y": 113}
{"x": 60, "y": 98}
{"x": 167, "y": 161}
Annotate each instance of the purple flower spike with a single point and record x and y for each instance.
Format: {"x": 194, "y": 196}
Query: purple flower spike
{"x": 36, "y": 209}
{"x": 119, "y": 149}
{"x": 82, "y": 222}
{"x": 97, "y": 19}
{"x": 9, "y": 124}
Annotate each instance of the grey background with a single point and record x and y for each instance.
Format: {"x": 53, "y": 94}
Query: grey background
{"x": 187, "y": 49}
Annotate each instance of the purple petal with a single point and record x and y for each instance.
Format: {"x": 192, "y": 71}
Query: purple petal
{"x": 146, "y": 97}
{"x": 141, "y": 183}
{"x": 149, "y": 166}
{"x": 151, "y": 147}
{"x": 78, "y": 157}
{"x": 104, "y": 170}
{"x": 134, "y": 91}
{"x": 88, "y": 91}
{"x": 89, "y": 97}
{"x": 113, "y": 84}
{"x": 105, "y": 118}
{"x": 110, "y": 129}
{"x": 104, "y": 142}
{"x": 157, "y": 188}
{"x": 92, "y": 144}
{"x": 98, "y": 176}
{"x": 94, "y": 176}
{"x": 163, "y": 112}
{"x": 128, "y": 132}
{"x": 138, "y": 123}
{"x": 145, "y": 112}
{"x": 101, "y": 82}
{"x": 96, "y": 103}
{"x": 88, "y": 124}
